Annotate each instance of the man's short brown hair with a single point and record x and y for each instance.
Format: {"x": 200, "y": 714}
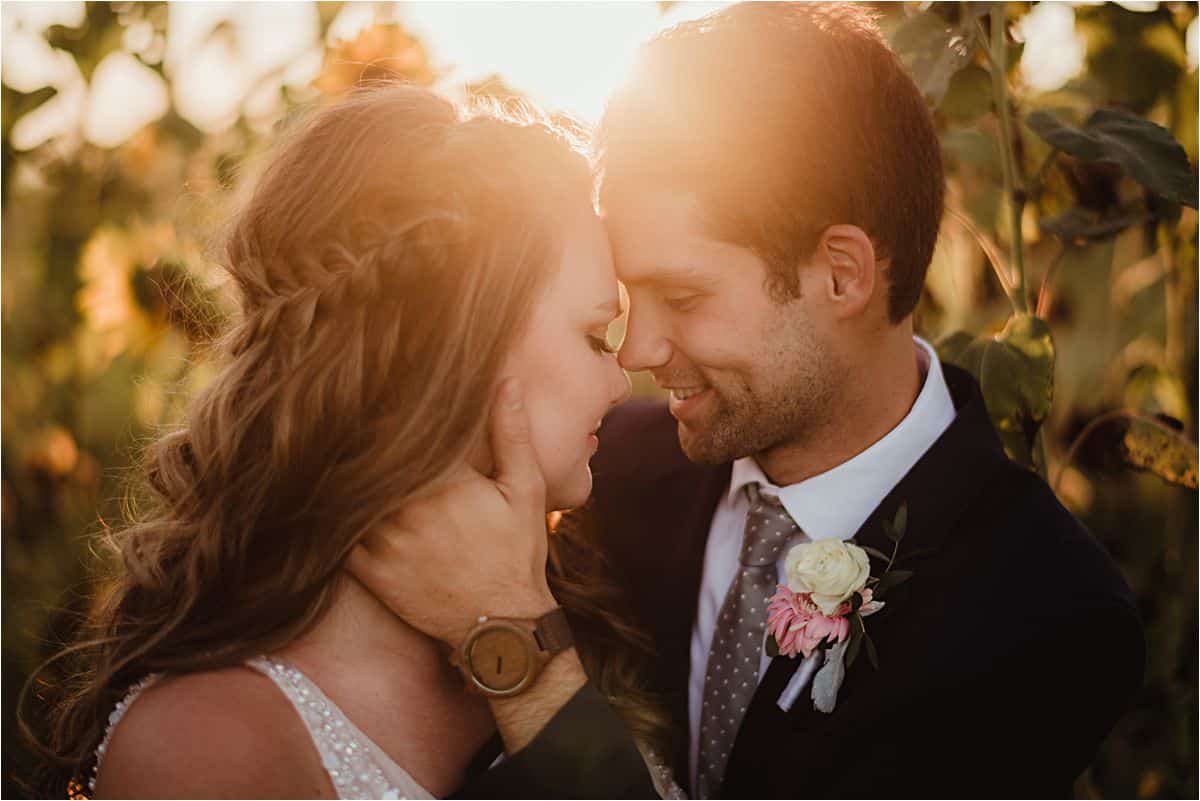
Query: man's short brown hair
{"x": 785, "y": 119}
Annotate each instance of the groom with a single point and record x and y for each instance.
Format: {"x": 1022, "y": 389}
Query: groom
{"x": 773, "y": 188}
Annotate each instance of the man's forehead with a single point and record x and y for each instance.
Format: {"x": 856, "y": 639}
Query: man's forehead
{"x": 659, "y": 206}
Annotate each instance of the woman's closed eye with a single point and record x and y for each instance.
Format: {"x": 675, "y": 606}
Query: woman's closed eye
{"x": 600, "y": 343}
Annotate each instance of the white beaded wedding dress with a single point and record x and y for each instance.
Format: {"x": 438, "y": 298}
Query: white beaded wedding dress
{"x": 357, "y": 767}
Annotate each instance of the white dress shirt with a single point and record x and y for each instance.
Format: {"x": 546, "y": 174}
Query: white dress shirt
{"x": 833, "y": 504}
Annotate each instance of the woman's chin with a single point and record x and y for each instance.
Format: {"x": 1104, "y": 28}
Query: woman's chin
{"x": 571, "y": 493}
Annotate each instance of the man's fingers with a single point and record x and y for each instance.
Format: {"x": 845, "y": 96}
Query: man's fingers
{"x": 517, "y": 471}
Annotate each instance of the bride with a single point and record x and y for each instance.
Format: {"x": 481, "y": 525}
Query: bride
{"x": 398, "y": 262}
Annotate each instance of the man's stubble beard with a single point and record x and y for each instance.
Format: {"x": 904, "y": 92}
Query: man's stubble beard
{"x": 793, "y": 403}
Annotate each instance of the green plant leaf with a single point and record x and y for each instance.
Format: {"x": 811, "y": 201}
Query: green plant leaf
{"x": 1166, "y": 453}
{"x": 962, "y": 350}
{"x": 890, "y": 531}
{"x": 933, "y": 51}
{"x": 856, "y": 636}
{"x": 1080, "y": 226}
{"x": 878, "y": 554}
{"x": 772, "y": 646}
{"x": 900, "y": 521}
{"x": 1031, "y": 338}
{"x": 1015, "y": 370}
{"x": 968, "y": 95}
{"x": 871, "y": 653}
{"x": 891, "y": 580}
{"x": 1147, "y": 152}
{"x": 856, "y": 602}
{"x": 1154, "y": 390}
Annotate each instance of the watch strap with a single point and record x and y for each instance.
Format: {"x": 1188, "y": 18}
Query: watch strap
{"x": 553, "y": 632}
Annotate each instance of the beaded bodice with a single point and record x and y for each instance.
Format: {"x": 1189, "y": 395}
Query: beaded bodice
{"x": 356, "y": 766}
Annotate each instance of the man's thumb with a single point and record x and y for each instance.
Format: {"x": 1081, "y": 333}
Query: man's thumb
{"x": 517, "y": 469}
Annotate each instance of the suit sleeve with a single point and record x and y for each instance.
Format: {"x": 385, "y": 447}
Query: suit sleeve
{"x": 585, "y": 751}
{"x": 1026, "y": 729}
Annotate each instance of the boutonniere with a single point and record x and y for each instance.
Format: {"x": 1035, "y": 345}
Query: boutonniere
{"x": 819, "y": 613}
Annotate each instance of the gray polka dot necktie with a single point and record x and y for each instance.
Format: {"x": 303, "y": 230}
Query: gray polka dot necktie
{"x": 733, "y": 659}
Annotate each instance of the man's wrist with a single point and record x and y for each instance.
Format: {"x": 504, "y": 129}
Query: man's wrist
{"x": 520, "y": 718}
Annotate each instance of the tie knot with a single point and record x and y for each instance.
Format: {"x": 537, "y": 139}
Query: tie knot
{"x": 769, "y": 528}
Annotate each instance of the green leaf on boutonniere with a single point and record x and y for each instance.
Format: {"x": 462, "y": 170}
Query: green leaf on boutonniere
{"x": 915, "y": 554}
{"x": 874, "y": 657}
{"x": 890, "y": 531}
{"x": 878, "y": 554}
{"x": 772, "y": 646}
{"x": 900, "y": 521}
{"x": 856, "y": 636}
{"x": 856, "y": 602}
{"x": 891, "y": 579}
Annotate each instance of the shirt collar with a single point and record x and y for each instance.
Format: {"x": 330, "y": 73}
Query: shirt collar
{"x": 836, "y": 503}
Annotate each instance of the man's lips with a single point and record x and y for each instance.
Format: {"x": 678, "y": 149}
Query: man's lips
{"x": 688, "y": 402}
{"x": 683, "y": 393}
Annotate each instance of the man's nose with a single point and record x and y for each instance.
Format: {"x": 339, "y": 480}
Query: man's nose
{"x": 645, "y": 346}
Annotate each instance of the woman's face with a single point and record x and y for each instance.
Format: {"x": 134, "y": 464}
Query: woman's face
{"x": 567, "y": 367}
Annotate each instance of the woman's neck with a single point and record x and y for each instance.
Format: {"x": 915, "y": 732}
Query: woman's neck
{"x": 396, "y": 684}
{"x": 359, "y": 629}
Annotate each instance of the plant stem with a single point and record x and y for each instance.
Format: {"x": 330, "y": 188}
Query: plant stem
{"x": 1175, "y": 302}
{"x": 990, "y": 251}
{"x": 1014, "y": 194}
{"x": 1043, "y": 301}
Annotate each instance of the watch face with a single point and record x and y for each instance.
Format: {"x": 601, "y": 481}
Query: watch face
{"x": 499, "y": 659}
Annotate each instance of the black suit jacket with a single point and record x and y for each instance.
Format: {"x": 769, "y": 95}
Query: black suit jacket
{"x": 1004, "y": 661}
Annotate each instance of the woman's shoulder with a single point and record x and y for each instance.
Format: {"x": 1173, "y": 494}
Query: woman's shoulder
{"x": 221, "y": 733}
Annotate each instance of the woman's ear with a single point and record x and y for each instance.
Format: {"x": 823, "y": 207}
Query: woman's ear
{"x": 852, "y": 271}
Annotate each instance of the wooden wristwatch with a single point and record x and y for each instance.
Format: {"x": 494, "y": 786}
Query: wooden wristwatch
{"x": 501, "y": 656}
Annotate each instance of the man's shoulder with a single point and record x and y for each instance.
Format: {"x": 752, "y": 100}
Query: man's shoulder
{"x": 1034, "y": 538}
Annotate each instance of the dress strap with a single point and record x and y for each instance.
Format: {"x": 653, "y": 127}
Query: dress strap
{"x": 353, "y": 762}
{"x": 114, "y": 718}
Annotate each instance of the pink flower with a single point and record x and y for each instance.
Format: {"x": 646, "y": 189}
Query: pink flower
{"x": 799, "y": 626}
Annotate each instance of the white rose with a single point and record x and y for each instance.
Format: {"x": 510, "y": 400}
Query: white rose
{"x": 831, "y": 570}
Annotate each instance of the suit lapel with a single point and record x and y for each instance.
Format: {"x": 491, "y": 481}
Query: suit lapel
{"x": 936, "y": 490}
{"x": 699, "y": 490}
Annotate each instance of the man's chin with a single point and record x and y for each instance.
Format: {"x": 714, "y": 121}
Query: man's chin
{"x": 701, "y": 447}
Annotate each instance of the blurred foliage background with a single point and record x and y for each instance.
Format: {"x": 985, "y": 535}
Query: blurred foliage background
{"x": 1065, "y": 278}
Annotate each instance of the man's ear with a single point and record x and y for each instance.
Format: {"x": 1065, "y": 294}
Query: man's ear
{"x": 852, "y": 271}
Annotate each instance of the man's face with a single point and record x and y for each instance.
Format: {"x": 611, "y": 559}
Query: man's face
{"x": 747, "y": 371}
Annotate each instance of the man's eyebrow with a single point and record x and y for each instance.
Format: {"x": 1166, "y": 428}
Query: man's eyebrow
{"x": 670, "y": 275}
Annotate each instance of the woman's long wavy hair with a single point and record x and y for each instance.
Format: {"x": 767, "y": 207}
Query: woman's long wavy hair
{"x": 386, "y": 261}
